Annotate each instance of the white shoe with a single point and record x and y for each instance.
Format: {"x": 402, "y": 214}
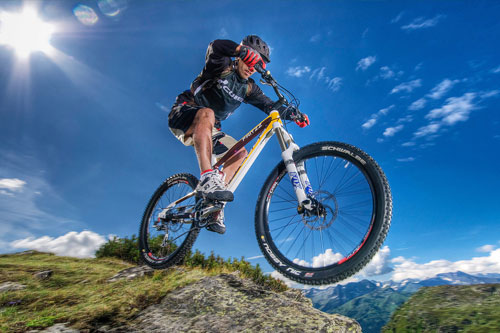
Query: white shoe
{"x": 217, "y": 225}
{"x": 211, "y": 186}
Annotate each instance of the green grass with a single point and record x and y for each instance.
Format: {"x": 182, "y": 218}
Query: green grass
{"x": 78, "y": 291}
{"x": 474, "y": 308}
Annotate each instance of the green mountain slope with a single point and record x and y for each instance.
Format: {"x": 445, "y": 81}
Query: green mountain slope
{"x": 474, "y": 308}
{"x": 41, "y": 290}
{"x": 78, "y": 291}
{"x": 373, "y": 310}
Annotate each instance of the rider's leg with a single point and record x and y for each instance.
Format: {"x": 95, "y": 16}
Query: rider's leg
{"x": 211, "y": 185}
{"x": 234, "y": 163}
{"x": 201, "y": 132}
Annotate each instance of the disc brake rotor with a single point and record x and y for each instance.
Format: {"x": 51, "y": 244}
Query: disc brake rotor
{"x": 323, "y": 215}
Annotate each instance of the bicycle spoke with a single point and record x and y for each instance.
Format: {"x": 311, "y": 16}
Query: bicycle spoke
{"x": 349, "y": 198}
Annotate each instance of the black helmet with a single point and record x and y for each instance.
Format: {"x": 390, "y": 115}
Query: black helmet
{"x": 256, "y": 43}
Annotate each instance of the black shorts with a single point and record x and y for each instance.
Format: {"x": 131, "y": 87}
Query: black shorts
{"x": 180, "y": 119}
{"x": 182, "y": 116}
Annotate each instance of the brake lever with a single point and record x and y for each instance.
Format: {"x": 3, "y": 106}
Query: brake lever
{"x": 265, "y": 82}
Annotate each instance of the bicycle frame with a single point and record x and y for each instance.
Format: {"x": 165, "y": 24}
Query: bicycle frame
{"x": 266, "y": 128}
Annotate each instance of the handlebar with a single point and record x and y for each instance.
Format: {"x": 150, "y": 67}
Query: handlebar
{"x": 269, "y": 80}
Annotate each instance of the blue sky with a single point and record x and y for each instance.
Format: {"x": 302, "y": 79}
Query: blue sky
{"x": 83, "y": 127}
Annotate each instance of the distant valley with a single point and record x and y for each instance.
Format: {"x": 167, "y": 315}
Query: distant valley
{"x": 371, "y": 303}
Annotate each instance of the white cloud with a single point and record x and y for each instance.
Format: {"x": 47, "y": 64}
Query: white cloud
{"x": 486, "y": 248}
{"x": 23, "y": 201}
{"x": 73, "y": 244}
{"x": 390, "y": 131}
{"x": 397, "y": 18}
{"x": 496, "y": 70}
{"x": 418, "y": 104}
{"x": 384, "y": 111}
{"x": 369, "y": 123}
{"x": 442, "y": 88}
{"x": 318, "y": 73}
{"x": 326, "y": 258}
{"x": 407, "y": 86}
{"x": 4, "y": 192}
{"x": 315, "y": 38}
{"x": 406, "y": 119}
{"x": 223, "y": 32}
{"x": 408, "y": 144}
{"x": 488, "y": 94}
{"x": 12, "y": 184}
{"x": 432, "y": 128}
{"x": 408, "y": 269}
{"x": 364, "y": 63}
{"x": 386, "y": 72}
{"x": 334, "y": 84}
{"x": 255, "y": 257}
{"x": 162, "y": 107}
{"x": 378, "y": 265}
{"x": 407, "y": 159}
{"x": 321, "y": 260}
{"x": 421, "y": 22}
{"x": 456, "y": 109}
{"x": 373, "y": 119}
{"x": 298, "y": 71}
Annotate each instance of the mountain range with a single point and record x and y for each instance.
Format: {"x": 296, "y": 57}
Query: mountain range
{"x": 371, "y": 303}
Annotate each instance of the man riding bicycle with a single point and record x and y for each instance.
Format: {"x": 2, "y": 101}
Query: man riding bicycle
{"x": 196, "y": 116}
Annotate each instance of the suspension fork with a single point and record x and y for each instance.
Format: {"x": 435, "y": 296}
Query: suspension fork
{"x": 296, "y": 172}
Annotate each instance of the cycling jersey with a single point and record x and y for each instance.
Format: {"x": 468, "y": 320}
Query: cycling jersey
{"x": 219, "y": 86}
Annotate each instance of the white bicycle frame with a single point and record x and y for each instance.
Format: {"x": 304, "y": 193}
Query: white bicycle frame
{"x": 269, "y": 126}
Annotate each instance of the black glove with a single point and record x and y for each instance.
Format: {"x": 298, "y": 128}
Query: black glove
{"x": 250, "y": 57}
{"x": 292, "y": 113}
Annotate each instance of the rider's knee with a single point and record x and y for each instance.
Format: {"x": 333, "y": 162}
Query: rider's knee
{"x": 205, "y": 115}
{"x": 242, "y": 153}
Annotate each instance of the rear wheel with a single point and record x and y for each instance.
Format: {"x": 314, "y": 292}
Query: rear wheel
{"x": 163, "y": 243}
{"x": 329, "y": 246}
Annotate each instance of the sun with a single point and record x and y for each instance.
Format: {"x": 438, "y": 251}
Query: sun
{"x": 25, "y": 32}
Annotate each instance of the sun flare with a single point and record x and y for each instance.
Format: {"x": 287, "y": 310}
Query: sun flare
{"x": 25, "y": 32}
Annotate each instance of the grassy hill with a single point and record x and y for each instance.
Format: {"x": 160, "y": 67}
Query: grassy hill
{"x": 373, "y": 310}
{"x": 78, "y": 291}
{"x": 473, "y": 308}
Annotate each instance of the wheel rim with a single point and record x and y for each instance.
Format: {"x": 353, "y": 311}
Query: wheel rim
{"x": 164, "y": 238}
{"x": 314, "y": 242}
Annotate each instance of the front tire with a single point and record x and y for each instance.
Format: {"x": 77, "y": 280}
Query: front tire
{"x": 328, "y": 248}
{"x": 156, "y": 249}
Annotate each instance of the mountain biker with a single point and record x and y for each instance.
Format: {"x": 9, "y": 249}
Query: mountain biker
{"x": 196, "y": 116}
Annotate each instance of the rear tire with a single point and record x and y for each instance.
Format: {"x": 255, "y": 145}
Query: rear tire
{"x": 151, "y": 234}
{"x": 325, "y": 249}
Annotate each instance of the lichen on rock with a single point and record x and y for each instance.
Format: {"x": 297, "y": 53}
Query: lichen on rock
{"x": 227, "y": 303}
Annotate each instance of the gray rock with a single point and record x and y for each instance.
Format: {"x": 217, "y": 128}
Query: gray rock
{"x": 57, "y": 328}
{"x": 227, "y": 303}
{"x": 10, "y": 286}
{"x": 43, "y": 275}
{"x": 24, "y": 253}
{"x": 132, "y": 273}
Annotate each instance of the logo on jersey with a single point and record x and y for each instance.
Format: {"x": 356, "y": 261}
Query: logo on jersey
{"x": 223, "y": 85}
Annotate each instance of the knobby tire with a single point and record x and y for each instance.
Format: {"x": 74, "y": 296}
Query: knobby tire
{"x": 158, "y": 201}
{"x": 371, "y": 230}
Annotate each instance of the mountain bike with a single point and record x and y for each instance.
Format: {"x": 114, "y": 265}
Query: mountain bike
{"x": 321, "y": 215}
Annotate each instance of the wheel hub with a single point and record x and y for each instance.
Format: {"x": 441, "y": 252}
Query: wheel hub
{"x": 321, "y": 215}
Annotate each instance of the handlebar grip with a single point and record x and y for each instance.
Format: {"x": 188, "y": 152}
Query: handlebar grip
{"x": 259, "y": 68}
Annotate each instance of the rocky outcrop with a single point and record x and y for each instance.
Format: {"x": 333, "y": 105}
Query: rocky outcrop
{"x": 11, "y": 286}
{"x": 227, "y": 303}
{"x": 132, "y": 273}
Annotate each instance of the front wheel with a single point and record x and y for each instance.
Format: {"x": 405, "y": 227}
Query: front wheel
{"x": 163, "y": 242}
{"x": 356, "y": 213}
